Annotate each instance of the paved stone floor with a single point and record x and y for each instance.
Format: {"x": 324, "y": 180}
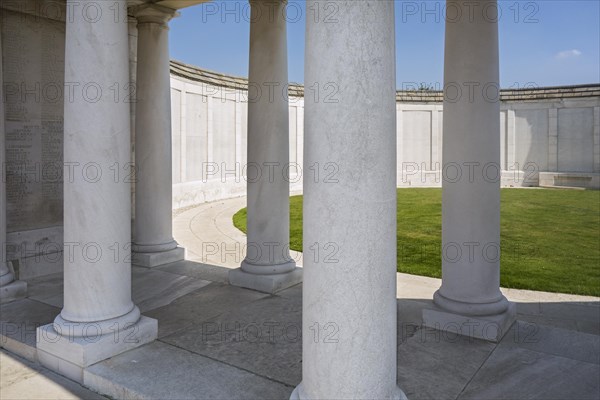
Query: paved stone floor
{"x": 221, "y": 342}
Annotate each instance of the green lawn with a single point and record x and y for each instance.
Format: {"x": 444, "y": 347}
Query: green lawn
{"x": 550, "y": 239}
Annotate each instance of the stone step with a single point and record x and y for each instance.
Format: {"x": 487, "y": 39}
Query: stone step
{"x": 157, "y": 371}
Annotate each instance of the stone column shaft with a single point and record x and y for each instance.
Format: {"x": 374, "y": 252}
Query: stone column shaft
{"x": 153, "y": 240}
{"x": 349, "y": 293}
{"x": 133, "y": 34}
{"x": 471, "y": 180}
{"x": 268, "y": 265}
{"x": 97, "y": 204}
{"x": 96, "y": 211}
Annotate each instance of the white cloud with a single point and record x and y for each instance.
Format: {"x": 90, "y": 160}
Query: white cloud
{"x": 568, "y": 53}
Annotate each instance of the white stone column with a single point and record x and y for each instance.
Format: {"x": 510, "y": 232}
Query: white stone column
{"x": 98, "y": 319}
{"x": 469, "y": 300}
{"x": 268, "y": 266}
{"x": 153, "y": 237}
{"x": 133, "y": 33}
{"x": 10, "y": 289}
{"x": 349, "y": 295}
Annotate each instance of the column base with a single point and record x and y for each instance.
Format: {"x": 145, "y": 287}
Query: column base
{"x": 487, "y": 327}
{"x": 13, "y": 291}
{"x": 298, "y": 394}
{"x": 272, "y": 283}
{"x": 69, "y": 356}
{"x": 151, "y": 260}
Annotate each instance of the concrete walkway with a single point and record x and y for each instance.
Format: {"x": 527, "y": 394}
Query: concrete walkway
{"x": 209, "y": 236}
{"x": 222, "y": 342}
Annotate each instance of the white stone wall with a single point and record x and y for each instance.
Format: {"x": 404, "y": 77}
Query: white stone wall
{"x": 33, "y": 49}
{"x": 209, "y": 141}
{"x": 536, "y": 136}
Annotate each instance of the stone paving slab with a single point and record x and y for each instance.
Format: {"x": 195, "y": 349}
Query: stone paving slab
{"x": 263, "y": 337}
{"x": 586, "y": 314}
{"x": 518, "y": 373}
{"x": 560, "y": 323}
{"x": 18, "y": 323}
{"x": 162, "y": 371}
{"x": 409, "y": 316}
{"x": 152, "y": 288}
{"x": 576, "y": 316}
{"x": 555, "y": 341}
{"x": 23, "y": 380}
{"x": 213, "y": 273}
{"x": 294, "y": 292}
{"x": 592, "y": 327}
{"x": 438, "y": 365}
{"x": 47, "y": 289}
{"x": 201, "y": 305}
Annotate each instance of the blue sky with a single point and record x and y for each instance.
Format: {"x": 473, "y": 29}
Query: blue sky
{"x": 542, "y": 43}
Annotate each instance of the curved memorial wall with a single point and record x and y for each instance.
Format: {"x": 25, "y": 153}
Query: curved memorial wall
{"x": 548, "y": 136}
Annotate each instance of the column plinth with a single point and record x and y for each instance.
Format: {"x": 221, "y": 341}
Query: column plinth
{"x": 268, "y": 266}
{"x": 10, "y": 289}
{"x": 153, "y": 236}
{"x": 98, "y": 319}
{"x": 469, "y": 300}
{"x": 349, "y": 318}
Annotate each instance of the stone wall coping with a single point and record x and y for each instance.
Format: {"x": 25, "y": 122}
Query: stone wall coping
{"x": 197, "y": 74}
